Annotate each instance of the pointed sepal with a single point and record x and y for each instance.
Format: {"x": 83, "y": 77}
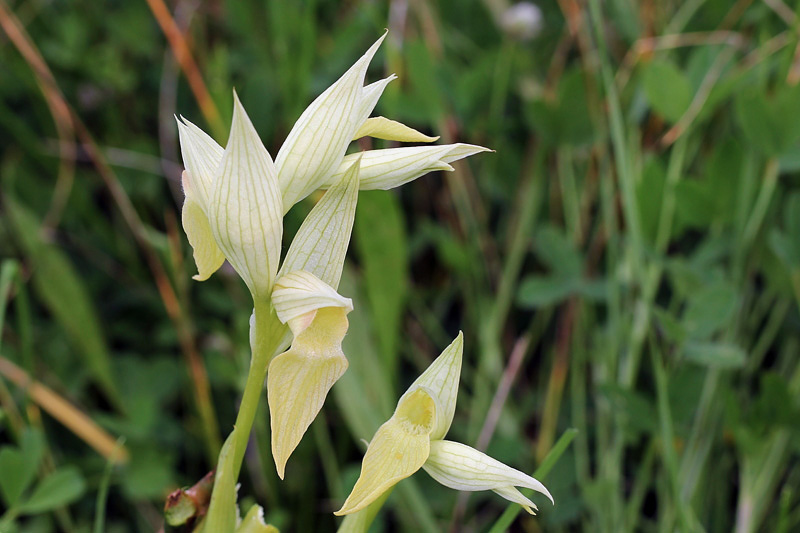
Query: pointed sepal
{"x": 245, "y": 208}
{"x": 391, "y": 130}
{"x": 320, "y": 245}
{"x": 201, "y": 156}
{"x": 441, "y": 379}
{"x": 461, "y": 467}
{"x": 316, "y": 144}
{"x": 207, "y": 255}
{"x": 392, "y": 167}
{"x": 253, "y": 522}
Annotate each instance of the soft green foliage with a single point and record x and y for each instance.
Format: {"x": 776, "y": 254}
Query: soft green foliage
{"x": 634, "y": 243}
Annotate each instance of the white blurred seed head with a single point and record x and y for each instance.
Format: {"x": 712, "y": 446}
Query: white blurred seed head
{"x": 522, "y": 21}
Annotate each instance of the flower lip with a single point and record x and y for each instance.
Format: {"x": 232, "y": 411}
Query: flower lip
{"x": 399, "y": 448}
{"x": 417, "y": 412}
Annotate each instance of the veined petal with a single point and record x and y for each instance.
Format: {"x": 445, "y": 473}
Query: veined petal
{"x": 320, "y": 244}
{"x": 392, "y": 167}
{"x": 245, "y": 210}
{"x": 316, "y": 145}
{"x": 391, "y": 130}
{"x": 460, "y": 467}
{"x": 369, "y": 98}
{"x": 398, "y": 449}
{"x": 300, "y": 294}
{"x": 440, "y": 379}
{"x": 253, "y": 522}
{"x": 513, "y": 495}
{"x": 207, "y": 255}
{"x": 299, "y": 380}
{"x": 201, "y": 156}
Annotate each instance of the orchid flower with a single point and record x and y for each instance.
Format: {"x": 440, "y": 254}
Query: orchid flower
{"x": 235, "y": 201}
{"x": 236, "y": 197}
{"x": 413, "y": 438}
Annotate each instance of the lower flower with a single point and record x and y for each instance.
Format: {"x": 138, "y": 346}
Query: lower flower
{"x": 414, "y": 438}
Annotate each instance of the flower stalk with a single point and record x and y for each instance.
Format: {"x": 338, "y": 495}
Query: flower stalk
{"x": 267, "y": 335}
{"x": 235, "y": 201}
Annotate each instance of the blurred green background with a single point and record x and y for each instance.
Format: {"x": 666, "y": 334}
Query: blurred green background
{"x": 626, "y": 264}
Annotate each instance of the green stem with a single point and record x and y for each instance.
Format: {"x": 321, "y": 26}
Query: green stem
{"x": 359, "y": 522}
{"x": 540, "y": 473}
{"x": 266, "y": 337}
{"x": 668, "y": 438}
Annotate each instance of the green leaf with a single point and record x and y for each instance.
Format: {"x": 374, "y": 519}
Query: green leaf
{"x": 669, "y": 325}
{"x": 769, "y": 124}
{"x": 650, "y": 194}
{"x": 787, "y": 249}
{"x": 543, "y": 291}
{"x": 717, "y": 355}
{"x": 595, "y": 290}
{"x": 18, "y": 470}
{"x": 61, "y": 290}
{"x": 667, "y": 89}
{"x": 567, "y": 119}
{"x": 572, "y": 112}
{"x": 791, "y": 215}
{"x": 723, "y": 174}
{"x": 709, "y": 309}
{"x": 60, "y": 488}
{"x": 380, "y": 239}
{"x": 19, "y": 467}
{"x": 694, "y": 205}
{"x": 637, "y": 412}
{"x": 557, "y": 251}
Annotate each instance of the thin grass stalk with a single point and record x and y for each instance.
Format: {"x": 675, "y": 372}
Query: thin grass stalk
{"x": 180, "y": 320}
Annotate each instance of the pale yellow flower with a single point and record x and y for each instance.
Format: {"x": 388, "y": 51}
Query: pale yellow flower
{"x": 413, "y": 438}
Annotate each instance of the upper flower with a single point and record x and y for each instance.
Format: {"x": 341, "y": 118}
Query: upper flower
{"x": 236, "y": 197}
{"x": 413, "y": 438}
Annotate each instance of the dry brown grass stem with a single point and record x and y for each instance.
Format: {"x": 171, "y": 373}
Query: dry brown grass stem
{"x": 180, "y": 320}
{"x": 66, "y": 413}
{"x": 180, "y": 48}
{"x": 58, "y": 109}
